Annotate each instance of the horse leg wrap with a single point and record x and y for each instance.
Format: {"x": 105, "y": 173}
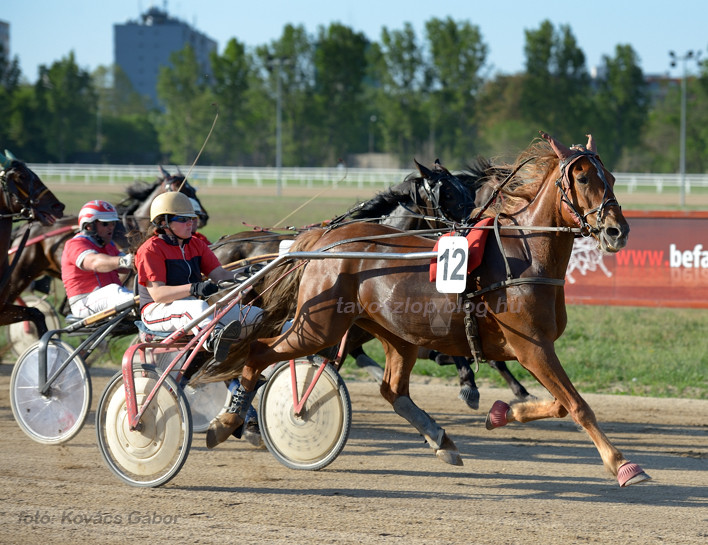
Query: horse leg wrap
{"x": 420, "y": 420}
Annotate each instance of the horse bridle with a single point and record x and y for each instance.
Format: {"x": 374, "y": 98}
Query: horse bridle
{"x": 432, "y": 192}
{"x": 564, "y": 182}
{"x": 27, "y": 200}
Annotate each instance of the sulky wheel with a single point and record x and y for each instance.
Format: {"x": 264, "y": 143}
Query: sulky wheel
{"x": 206, "y": 400}
{"x": 59, "y": 415}
{"x": 155, "y": 452}
{"x": 314, "y": 438}
{"x": 22, "y": 335}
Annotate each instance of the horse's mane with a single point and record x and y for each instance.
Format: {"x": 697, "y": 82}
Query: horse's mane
{"x": 534, "y": 165}
{"x": 385, "y": 202}
{"x": 401, "y": 194}
{"x": 141, "y": 190}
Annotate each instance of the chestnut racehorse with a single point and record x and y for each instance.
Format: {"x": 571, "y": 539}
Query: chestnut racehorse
{"x": 23, "y": 197}
{"x": 519, "y": 282}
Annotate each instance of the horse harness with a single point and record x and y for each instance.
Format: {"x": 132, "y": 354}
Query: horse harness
{"x": 470, "y": 321}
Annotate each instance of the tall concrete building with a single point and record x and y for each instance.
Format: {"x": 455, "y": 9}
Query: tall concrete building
{"x": 142, "y": 47}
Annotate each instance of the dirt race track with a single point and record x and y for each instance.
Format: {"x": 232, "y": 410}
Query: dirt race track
{"x": 541, "y": 482}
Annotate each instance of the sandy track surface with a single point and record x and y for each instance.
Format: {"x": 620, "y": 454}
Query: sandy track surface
{"x": 541, "y": 482}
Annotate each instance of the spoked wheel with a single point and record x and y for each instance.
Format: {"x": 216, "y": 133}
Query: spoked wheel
{"x": 22, "y": 335}
{"x": 59, "y": 415}
{"x": 206, "y": 400}
{"x": 315, "y": 437}
{"x": 156, "y": 451}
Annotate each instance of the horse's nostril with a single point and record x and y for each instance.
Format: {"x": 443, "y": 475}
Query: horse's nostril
{"x": 613, "y": 232}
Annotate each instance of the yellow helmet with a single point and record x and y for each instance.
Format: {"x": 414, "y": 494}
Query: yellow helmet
{"x": 173, "y": 203}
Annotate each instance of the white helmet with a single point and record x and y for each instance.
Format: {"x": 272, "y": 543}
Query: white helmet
{"x": 97, "y": 211}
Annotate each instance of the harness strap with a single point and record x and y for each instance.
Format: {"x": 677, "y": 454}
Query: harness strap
{"x": 40, "y": 238}
{"x": 470, "y": 320}
{"x": 472, "y": 333}
{"x": 11, "y": 267}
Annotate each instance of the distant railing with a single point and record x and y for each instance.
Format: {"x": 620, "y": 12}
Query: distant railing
{"x": 308, "y": 177}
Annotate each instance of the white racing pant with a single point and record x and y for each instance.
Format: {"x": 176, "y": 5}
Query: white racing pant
{"x": 109, "y": 296}
{"x": 168, "y": 317}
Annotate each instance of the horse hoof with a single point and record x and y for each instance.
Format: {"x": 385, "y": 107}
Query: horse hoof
{"x": 496, "y": 418}
{"x": 630, "y": 473}
{"x": 451, "y": 457}
{"x": 470, "y": 396}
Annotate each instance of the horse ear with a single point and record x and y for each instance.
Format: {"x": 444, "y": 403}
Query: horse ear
{"x": 562, "y": 151}
{"x": 438, "y": 166}
{"x": 163, "y": 172}
{"x": 424, "y": 172}
{"x": 179, "y": 172}
{"x": 591, "y": 144}
{"x": 5, "y": 161}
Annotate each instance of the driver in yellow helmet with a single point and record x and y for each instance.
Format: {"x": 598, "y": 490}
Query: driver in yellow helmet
{"x": 170, "y": 265}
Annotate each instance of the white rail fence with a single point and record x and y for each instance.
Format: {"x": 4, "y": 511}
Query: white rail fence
{"x": 308, "y": 177}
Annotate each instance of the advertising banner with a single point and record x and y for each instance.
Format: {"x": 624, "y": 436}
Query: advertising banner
{"x": 665, "y": 264}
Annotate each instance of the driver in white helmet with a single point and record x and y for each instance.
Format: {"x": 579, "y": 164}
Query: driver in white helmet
{"x": 91, "y": 262}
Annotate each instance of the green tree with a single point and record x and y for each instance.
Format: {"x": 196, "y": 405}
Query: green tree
{"x": 398, "y": 69}
{"x": 457, "y": 57}
{"x": 67, "y": 104}
{"x": 660, "y": 149}
{"x": 125, "y": 130}
{"x": 340, "y": 69}
{"x": 189, "y": 107}
{"x": 621, "y": 105}
{"x": 556, "y": 90}
{"x": 9, "y": 86}
{"x": 231, "y": 74}
{"x": 503, "y": 132}
{"x": 289, "y": 58}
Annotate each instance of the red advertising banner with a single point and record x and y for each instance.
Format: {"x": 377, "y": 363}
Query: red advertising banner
{"x": 665, "y": 264}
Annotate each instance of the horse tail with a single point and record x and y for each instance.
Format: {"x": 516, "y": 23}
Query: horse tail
{"x": 279, "y": 302}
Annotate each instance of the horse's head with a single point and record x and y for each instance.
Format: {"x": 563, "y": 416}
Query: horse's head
{"x": 587, "y": 195}
{"x": 442, "y": 194}
{"x": 24, "y": 194}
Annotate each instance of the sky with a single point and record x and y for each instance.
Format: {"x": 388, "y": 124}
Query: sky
{"x": 46, "y": 31}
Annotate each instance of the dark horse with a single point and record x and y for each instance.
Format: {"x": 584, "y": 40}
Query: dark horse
{"x": 134, "y": 210}
{"x": 23, "y": 197}
{"x": 559, "y": 193}
{"x": 435, "y": 199}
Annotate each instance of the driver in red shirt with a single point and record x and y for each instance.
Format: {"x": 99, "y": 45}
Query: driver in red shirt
{"x": 91, "y": 262}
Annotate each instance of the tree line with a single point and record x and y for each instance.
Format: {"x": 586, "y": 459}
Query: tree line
{"x": 340, "y": 94}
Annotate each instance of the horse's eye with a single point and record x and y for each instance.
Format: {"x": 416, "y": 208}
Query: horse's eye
{"x": 581, "y": 178}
